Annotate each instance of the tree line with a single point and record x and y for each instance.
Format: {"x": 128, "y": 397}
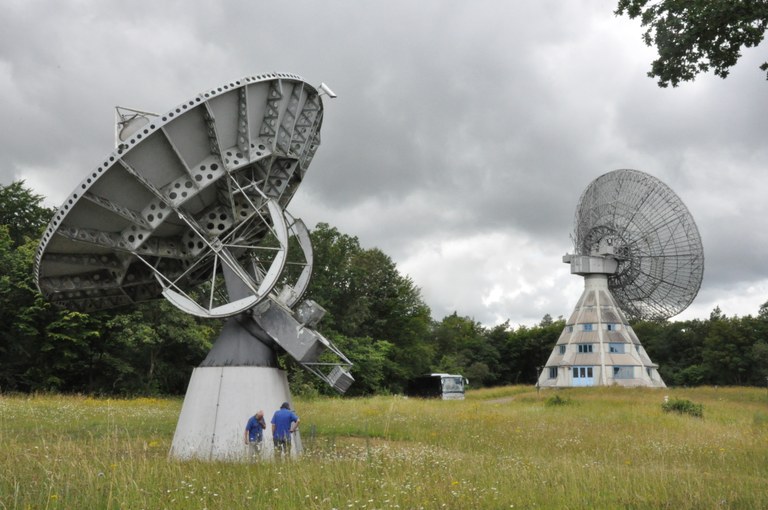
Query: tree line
{"x": 375, "y": 315}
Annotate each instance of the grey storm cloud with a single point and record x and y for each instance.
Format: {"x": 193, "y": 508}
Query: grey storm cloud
{"x": 462, "y": 137}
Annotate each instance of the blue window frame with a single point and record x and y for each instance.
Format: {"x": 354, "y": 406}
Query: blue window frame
{"x": 582, "y": 376}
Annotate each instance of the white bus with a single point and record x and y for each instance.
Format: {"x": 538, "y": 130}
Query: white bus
{"x": 445, "y": 386}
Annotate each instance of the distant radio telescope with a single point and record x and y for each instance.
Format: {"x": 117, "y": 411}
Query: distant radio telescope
{"x": 641, "y": 257}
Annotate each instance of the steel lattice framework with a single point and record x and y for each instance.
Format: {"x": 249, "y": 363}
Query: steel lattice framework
{"x": 195, "y": 193}
{"x": 645, "y": 226}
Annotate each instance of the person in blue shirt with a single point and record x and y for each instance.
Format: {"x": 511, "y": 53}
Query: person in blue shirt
{"x": 254, "y": 432}
{"x": 284, "y": 423}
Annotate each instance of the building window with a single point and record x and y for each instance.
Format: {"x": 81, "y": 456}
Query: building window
{"x": 649, "y": 371}
{"x": 582, "y": 372}
{"x": 553, "y": 372}
{"x": 612, "y": 327}
{"x": 570, "y": 329}
{"x": 585, "y": 347}
{"x": 616, "y": 348}
{"x": 623, "y": 372}
{"x": 562, "y": 349}
{"x": 587, "y": 327}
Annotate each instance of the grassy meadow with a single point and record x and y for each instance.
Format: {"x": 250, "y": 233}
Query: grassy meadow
{"x": 499, "y": 448}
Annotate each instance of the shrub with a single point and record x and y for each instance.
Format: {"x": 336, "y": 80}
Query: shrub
{"x": 683, "y": 406}
{"x": 557, "y": 401}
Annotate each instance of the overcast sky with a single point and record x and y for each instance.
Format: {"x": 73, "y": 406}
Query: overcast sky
{"x": 460, "y": 141}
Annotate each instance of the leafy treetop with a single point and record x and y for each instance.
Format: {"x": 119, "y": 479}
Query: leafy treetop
{"x": 694, "y": 36}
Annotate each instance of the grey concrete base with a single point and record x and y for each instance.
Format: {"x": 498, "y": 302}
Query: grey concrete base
{"x": 598, "y": 343}
{"x": 217, "y": 406}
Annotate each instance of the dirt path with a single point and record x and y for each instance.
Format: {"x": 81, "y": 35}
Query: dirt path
{"x": 500, "y": 400}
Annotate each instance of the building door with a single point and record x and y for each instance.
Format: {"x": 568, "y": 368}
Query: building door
{"x": 582, "y": 376}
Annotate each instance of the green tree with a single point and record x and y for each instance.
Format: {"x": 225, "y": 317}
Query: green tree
{"x": 763, "y": 311}
{"x": 366, "y": 297}
{"x": 727, "y": 352}
{"x": 61, "y": 361}
{"x": 372, "y": 361}
{"x": 683, "y": 348}
{"x": 676, "y": 347}
{"x": 760, "y": 357}
{"x": 760, "y": 347}
{"x": 18, "y": 330}
{"x": 478, "y": 373}
{"x": 21, "y": 211}
{"x": 465, "y": 348}
{"x": 24, "y": 315}
{"x": 41, "y": 347}
{"x": 694, "y": 36}
{"x": 527, "y": 349}
{"x": 498, "y": 337}
{"x": 153, "y": 348}
{"x": 716, "y": 314}
{"x": 332, "y": 279}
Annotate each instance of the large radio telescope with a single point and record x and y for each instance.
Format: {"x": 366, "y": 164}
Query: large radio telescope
{"x": 640, "y": 254}
{"x": 191, "y": 206}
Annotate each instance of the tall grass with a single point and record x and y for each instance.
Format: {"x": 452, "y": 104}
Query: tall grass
{"x": 499, "y": 448}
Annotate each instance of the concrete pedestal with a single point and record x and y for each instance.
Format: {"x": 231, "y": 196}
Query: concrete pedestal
{"x": 598, "y": 346}
{"x": 217, "y": 406}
